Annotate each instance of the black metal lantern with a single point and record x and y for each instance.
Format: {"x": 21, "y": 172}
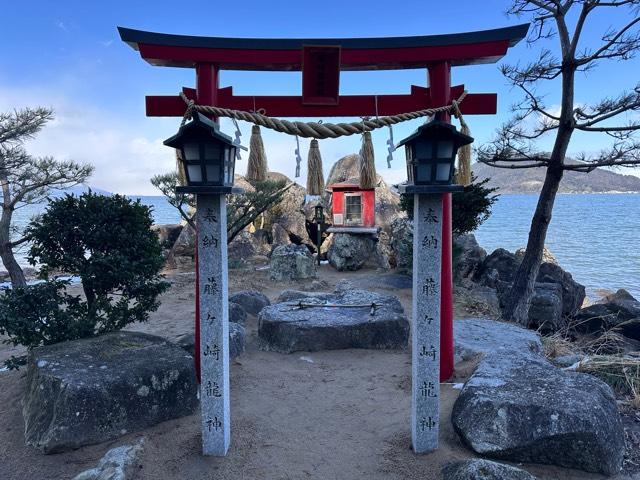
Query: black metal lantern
{"x": 207, "y": 155}
{"x": 319, "y": 214}
{"x": 431, "y": 153}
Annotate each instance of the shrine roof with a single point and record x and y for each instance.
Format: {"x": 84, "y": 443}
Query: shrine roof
{"x": 485, "y": 46}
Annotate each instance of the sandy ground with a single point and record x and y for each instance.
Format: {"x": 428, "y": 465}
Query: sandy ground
{"x": 325, "y": 415}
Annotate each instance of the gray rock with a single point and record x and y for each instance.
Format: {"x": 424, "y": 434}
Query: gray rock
{"x": 545, "y": 311}
{"x": 469, "y": 258}
{"x": 547, "y": 255}
{"x": 503, "y": 262}
{"x": 237, "y": 335}
{"x": 289, "y": 213}
{"x": 573, "y": 293}
{"x": 292, "y": 262}
{"x": 167, "y": 233}
{"x": 402, "y": 243}
{"x": 279, "y": 236}
{"x": 242, "y": 248}
{"x": 481, "y": 469}
{"x": 117, "y": 464}
{"x": 285, "y": 328}
{"x": 519, "y": 407}
{"x": 498, "y": 271}
{"x": 237, "y": 314}
{"x": 350, "y": 251}
{"x": 96, "y": 389}
{"x": 475, "y": 336}
{"x": 251, "y": 301}
{"x": 619, "y": 310}
{"x": 564, "y": 361}
{"x": 182, "y": 254}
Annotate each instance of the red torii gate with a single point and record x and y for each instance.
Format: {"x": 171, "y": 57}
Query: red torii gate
{"x": 321, "y": 61}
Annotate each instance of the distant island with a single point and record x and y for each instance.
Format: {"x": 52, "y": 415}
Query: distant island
{"x": 530, "y": 180}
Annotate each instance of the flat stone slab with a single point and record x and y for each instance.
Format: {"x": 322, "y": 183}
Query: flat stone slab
{"x": 475, "y": 336}
{"x": 96, "y": 389}
{"x": 285, "y": 327}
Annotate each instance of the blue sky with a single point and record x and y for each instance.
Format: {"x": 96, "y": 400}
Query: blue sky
{"x": 68, "y": 55}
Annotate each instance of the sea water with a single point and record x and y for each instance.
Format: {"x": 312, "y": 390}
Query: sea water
{"x": 595, "y": 237}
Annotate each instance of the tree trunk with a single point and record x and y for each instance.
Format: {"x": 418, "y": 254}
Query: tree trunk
{"x": 521, "y": 292}
{"x": 6, "y": 252}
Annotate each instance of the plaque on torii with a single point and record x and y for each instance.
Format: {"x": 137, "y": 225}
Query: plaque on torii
{"x": 321, "y": 61}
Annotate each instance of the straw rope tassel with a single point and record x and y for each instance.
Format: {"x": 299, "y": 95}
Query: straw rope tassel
{"x": 463, "y": 173}
{"x": 315, "y": 176}
{"x": 368, "y": 177}
{"x": 257, "y": 165}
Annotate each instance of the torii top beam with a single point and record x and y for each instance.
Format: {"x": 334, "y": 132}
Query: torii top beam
{"x": 320, "y": 61}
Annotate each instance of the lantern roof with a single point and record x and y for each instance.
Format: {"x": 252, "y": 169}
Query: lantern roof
{"x": 439, "y": 125}
{"x": 198, "y": 122}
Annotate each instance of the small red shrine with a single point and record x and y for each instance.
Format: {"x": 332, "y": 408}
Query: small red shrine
{"x": 352, "y": 207}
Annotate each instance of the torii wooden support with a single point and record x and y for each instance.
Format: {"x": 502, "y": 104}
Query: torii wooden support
{"x": 321, "y": 61}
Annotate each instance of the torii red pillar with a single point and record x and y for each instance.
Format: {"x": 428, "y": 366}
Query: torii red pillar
{"x": 440, "y": 91}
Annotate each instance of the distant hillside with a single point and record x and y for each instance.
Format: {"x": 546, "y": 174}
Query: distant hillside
{"x": 529, "y": 180}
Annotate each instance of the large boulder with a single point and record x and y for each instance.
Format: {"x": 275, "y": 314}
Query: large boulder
{"x": 237, "y": 314}
{"x": 351, "y": 251}
{"x": 499, "y": 265}
{"x": 167, "y": 233}
{"x": 480, "y": 336}
{"x": 498, "y": 271}
{"x": 573, "y": 293}
{"x": 519, "y": 407}
{"x": 402, "y": 243}
{"x": 300, "y": 322}
{"x": 292, "y": 262}
{"x": 289, "y": 213}
{"x": 96, "y": 389}
{"x": 237, "y": 339}
{"x": 242, "y": 248}
{"x": 251, "y": 301}
{"x": 469, "y": 256}
{"x": 481, "y": 469}
{"x": 619, "y": 310}
{"x": 545, "y": 310}
{"x": 182, "y": 254}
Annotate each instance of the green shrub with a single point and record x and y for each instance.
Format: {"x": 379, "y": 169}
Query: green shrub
{"x": 108, "y": 243}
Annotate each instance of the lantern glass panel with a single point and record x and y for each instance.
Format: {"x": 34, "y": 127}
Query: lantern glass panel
{"x": 211, "y": 152}
{"x": 194, "y": 173}
{"x": 213, "y": 173}
{"x": 424, "y": 148}
{"x": 442, "y": 172}
{"x": 191, "y": 151}
{"x": 424, "y": 172}
{"x": 445, "y": 149}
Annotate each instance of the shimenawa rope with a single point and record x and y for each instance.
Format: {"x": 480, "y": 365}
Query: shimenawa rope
{"x": 315, "y": 129}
